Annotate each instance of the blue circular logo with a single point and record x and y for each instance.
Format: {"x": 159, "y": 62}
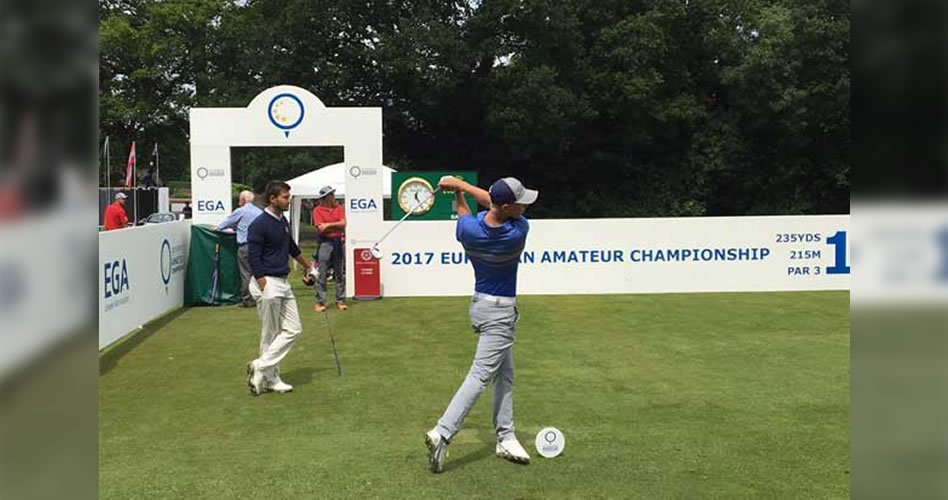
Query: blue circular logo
{"x": 165, "y": 262}
{"x": 286, "y": 112}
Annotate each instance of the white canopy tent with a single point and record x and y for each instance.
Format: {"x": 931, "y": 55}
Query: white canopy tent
{"x": 307, "y": 186}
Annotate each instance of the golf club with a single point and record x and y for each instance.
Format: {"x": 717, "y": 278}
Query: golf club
{"x": 216, "y": 275}
{"x": 375, "y": 248}
{"x": 332, "y": 338}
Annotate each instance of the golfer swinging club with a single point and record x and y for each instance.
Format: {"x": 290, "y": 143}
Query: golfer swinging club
{"x": 493, "y": 241}
{"x": 270, "y": 245}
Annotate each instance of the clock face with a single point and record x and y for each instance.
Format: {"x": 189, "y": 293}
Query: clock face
{"x": 415, "y": 193}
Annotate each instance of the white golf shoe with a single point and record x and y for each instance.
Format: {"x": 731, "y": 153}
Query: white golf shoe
{"x": 275, "y": 383}
{"x": 437, "y": 450}
{"x": 255, "y": 379}
{"x": 280, "y": 386}
{"x": 511, "y": 450}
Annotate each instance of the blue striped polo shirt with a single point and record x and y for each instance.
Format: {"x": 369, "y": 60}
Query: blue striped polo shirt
{"x": 494, "y": 252}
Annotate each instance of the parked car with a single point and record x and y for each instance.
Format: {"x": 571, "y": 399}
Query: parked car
{"x": 158, "y": 218}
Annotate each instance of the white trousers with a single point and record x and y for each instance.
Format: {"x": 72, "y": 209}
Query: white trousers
{"x": 280, "y": 322}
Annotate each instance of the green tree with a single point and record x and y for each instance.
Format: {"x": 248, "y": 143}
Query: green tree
{"x": 610, "y": 107}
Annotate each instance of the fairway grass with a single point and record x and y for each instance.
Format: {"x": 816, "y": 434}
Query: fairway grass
{"x": 689, "y": 395}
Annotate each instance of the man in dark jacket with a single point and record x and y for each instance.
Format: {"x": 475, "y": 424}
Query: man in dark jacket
{"x": 270, "y": 246}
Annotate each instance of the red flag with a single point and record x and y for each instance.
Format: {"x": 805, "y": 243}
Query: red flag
{"x": 129, "y": 169}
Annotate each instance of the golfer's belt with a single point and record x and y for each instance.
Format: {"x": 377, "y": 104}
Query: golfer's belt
{"x": 494, "y": 299}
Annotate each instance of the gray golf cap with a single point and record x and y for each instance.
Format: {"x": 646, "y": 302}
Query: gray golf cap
{"x": 324, "y": 192}
{"x": 511, "y": 190}
{"x": 120, "y": 196}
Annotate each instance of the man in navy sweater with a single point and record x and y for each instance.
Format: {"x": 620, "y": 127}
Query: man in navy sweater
{"x": 270, "y": 245}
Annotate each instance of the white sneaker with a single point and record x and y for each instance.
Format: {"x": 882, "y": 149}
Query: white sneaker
{"x": 280, "y": 386}
{"x": 255, "y": 379}
{"x": 437, "y": 450}
{"x": 511, "y": 450}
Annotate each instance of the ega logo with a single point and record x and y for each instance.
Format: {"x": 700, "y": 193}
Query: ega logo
{"x": 116, "y": 278}
{"x": 362, "y": 204}
{"x": 210, "y": 206}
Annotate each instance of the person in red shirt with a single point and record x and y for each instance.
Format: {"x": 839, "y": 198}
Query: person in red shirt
{"x": 115, "y": 217}
{"x": 330, "y": 221}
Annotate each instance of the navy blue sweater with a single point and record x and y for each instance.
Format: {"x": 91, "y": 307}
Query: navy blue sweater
{"x": 270, "y": 245}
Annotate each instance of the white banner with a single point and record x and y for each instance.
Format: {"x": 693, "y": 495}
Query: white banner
{"x": 602, "y": 256}
{"x": 902, "y": 253}
{"x": 141, "y": 276}
{"x": 43, "y": 257}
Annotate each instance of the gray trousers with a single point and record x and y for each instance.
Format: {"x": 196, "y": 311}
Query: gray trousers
{"x": 496, "y": 326}
{"x": 243, "y": 263}
{"x": 327, "y": 258}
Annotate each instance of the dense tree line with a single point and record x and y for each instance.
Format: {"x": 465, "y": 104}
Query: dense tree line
{"x": 610, "y": 107}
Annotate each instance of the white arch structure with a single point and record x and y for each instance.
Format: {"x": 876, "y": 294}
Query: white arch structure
{"x": 288, "y": 116}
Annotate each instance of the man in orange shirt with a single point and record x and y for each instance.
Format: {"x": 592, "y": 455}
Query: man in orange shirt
{"x": 330, "y": 221}
{"x": 115, "y": 217}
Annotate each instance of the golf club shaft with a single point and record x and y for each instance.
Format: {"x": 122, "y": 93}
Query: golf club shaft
{"x": 217, "y": 267}
{"x": 420, "y": 203}
{"x": 332, "y": 338}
